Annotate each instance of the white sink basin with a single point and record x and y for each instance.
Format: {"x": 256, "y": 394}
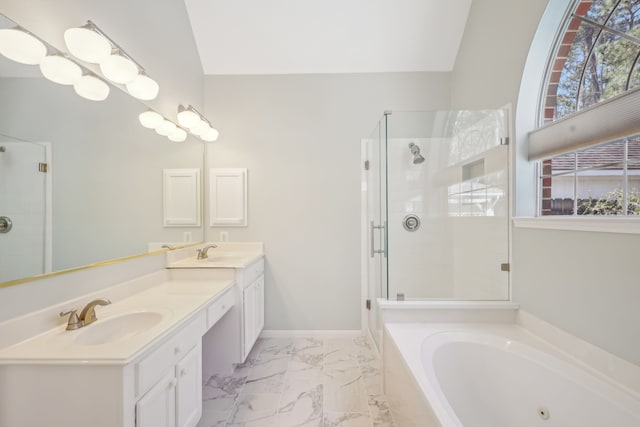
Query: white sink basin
{"x": 117, "y": 328}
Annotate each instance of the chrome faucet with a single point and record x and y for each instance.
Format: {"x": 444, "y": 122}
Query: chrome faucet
{"x": 87, "y": 316}
{"x": 202, "y": 253}
{"x": 88, "y": 313}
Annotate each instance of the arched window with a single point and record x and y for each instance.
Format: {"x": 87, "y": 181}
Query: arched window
{"x": 593, "y": 77}
{"x": 597, "y": 57}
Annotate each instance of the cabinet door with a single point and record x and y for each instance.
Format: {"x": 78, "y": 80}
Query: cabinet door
{"x": 259, "y": 305}
{"x": 249, "y": 305}
{"x": 189, "y": 389}
{"x": 157, "y": 407}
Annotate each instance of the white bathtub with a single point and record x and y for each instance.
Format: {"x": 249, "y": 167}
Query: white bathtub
{"x": 465, "y": 375}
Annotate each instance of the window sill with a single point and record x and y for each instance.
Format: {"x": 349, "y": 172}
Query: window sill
{"x": 625, "y": 225}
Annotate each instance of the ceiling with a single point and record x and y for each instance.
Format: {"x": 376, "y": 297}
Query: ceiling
{"x": 327, "y": 36}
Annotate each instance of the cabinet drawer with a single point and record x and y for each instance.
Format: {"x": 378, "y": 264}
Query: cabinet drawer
{"x": 216, "y": 310}
{"x": 150, "y": 369}
{"x": 252, "y": 272}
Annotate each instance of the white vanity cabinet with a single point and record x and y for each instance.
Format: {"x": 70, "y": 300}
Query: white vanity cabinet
{"x": 160, "y": 387}
{"x": 157, "y": 407}
{"x": 251, "y": 282}
{"x": 176, "y": 400}
{"x": 244, "y": 264}
{"x": 169, "y": 378}
{"x": 189, "y": 388}
{"x": 253, "y": 307}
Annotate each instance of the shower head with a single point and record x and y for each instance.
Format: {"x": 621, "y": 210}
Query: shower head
{"x": 415, "y": 150}
{"x": 3, "y": 148}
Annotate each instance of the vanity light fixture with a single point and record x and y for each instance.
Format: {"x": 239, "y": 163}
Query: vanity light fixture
{"x": 153, "y": 120}
{"x": 21, "y": 46}
{"x": 89, "y": 43}
{"x": 118, "y": 68}
{"x": 197, "y": 124}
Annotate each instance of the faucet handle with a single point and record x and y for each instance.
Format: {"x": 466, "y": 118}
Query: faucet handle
{"x": 74, "y": 321}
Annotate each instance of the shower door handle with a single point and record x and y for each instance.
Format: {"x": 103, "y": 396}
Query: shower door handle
{"x": 371, "y": 228}
{"x": 384, "y": 247}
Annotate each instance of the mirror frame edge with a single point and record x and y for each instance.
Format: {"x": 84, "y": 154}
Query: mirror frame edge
{"x": 11, "y": 283}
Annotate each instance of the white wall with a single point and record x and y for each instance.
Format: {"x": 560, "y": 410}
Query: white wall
{"x": 583, "y": 282}
{"x": 494, "y": 48}
{"x": 299, "y": 136}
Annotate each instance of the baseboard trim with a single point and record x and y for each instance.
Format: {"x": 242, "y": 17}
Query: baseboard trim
{"x": 285, "y": 333}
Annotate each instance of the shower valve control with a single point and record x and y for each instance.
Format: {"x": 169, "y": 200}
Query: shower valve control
{"x": 411, "y": 222}
{"x": 5, "y": 224}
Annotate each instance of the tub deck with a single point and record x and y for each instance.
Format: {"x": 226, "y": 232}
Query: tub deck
{"x": 415, "y": 397}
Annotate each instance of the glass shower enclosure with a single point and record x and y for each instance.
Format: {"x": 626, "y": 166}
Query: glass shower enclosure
{"x": 437, "y": 204}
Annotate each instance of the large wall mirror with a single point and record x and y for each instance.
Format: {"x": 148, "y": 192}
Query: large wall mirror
{"x": 99, "y": 197}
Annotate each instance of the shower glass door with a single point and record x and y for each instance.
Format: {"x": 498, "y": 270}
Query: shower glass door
{"x": 447, "y": 205}
{"x": 374, "y": 185}
{"x": 22, "y": 204}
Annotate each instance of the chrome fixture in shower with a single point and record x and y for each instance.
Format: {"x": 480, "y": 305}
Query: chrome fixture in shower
{"x": 3, "y": 148}
{"x": 415, "y": 150}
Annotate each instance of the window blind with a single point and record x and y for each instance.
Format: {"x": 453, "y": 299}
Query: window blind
{"x": 608, "y": 120}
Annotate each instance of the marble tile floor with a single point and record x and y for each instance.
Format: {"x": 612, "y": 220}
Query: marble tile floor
{"x": 305, "y": 382}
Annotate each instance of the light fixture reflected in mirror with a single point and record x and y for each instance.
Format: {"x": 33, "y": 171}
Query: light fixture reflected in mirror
{"x": 60, "y": 69}
{"x": 200, "y": 128}
{"x": 178, "y": 135}
{"x": 166, "y": 128}
{"x": 21, "y": 46}
{"x": 153, "y": 120}
{"x": 187, "y": 117}
{"x": 197, "y": 124}
{"x": 92, "y": 88}
{"x": 150, "y": 119}
{"x": 211, "y": 135}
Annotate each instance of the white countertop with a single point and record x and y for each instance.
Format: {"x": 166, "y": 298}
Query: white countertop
{"x": 224, "y": 255}
{"x": 219, "y": 260}
{"x": 177, "y": 301}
